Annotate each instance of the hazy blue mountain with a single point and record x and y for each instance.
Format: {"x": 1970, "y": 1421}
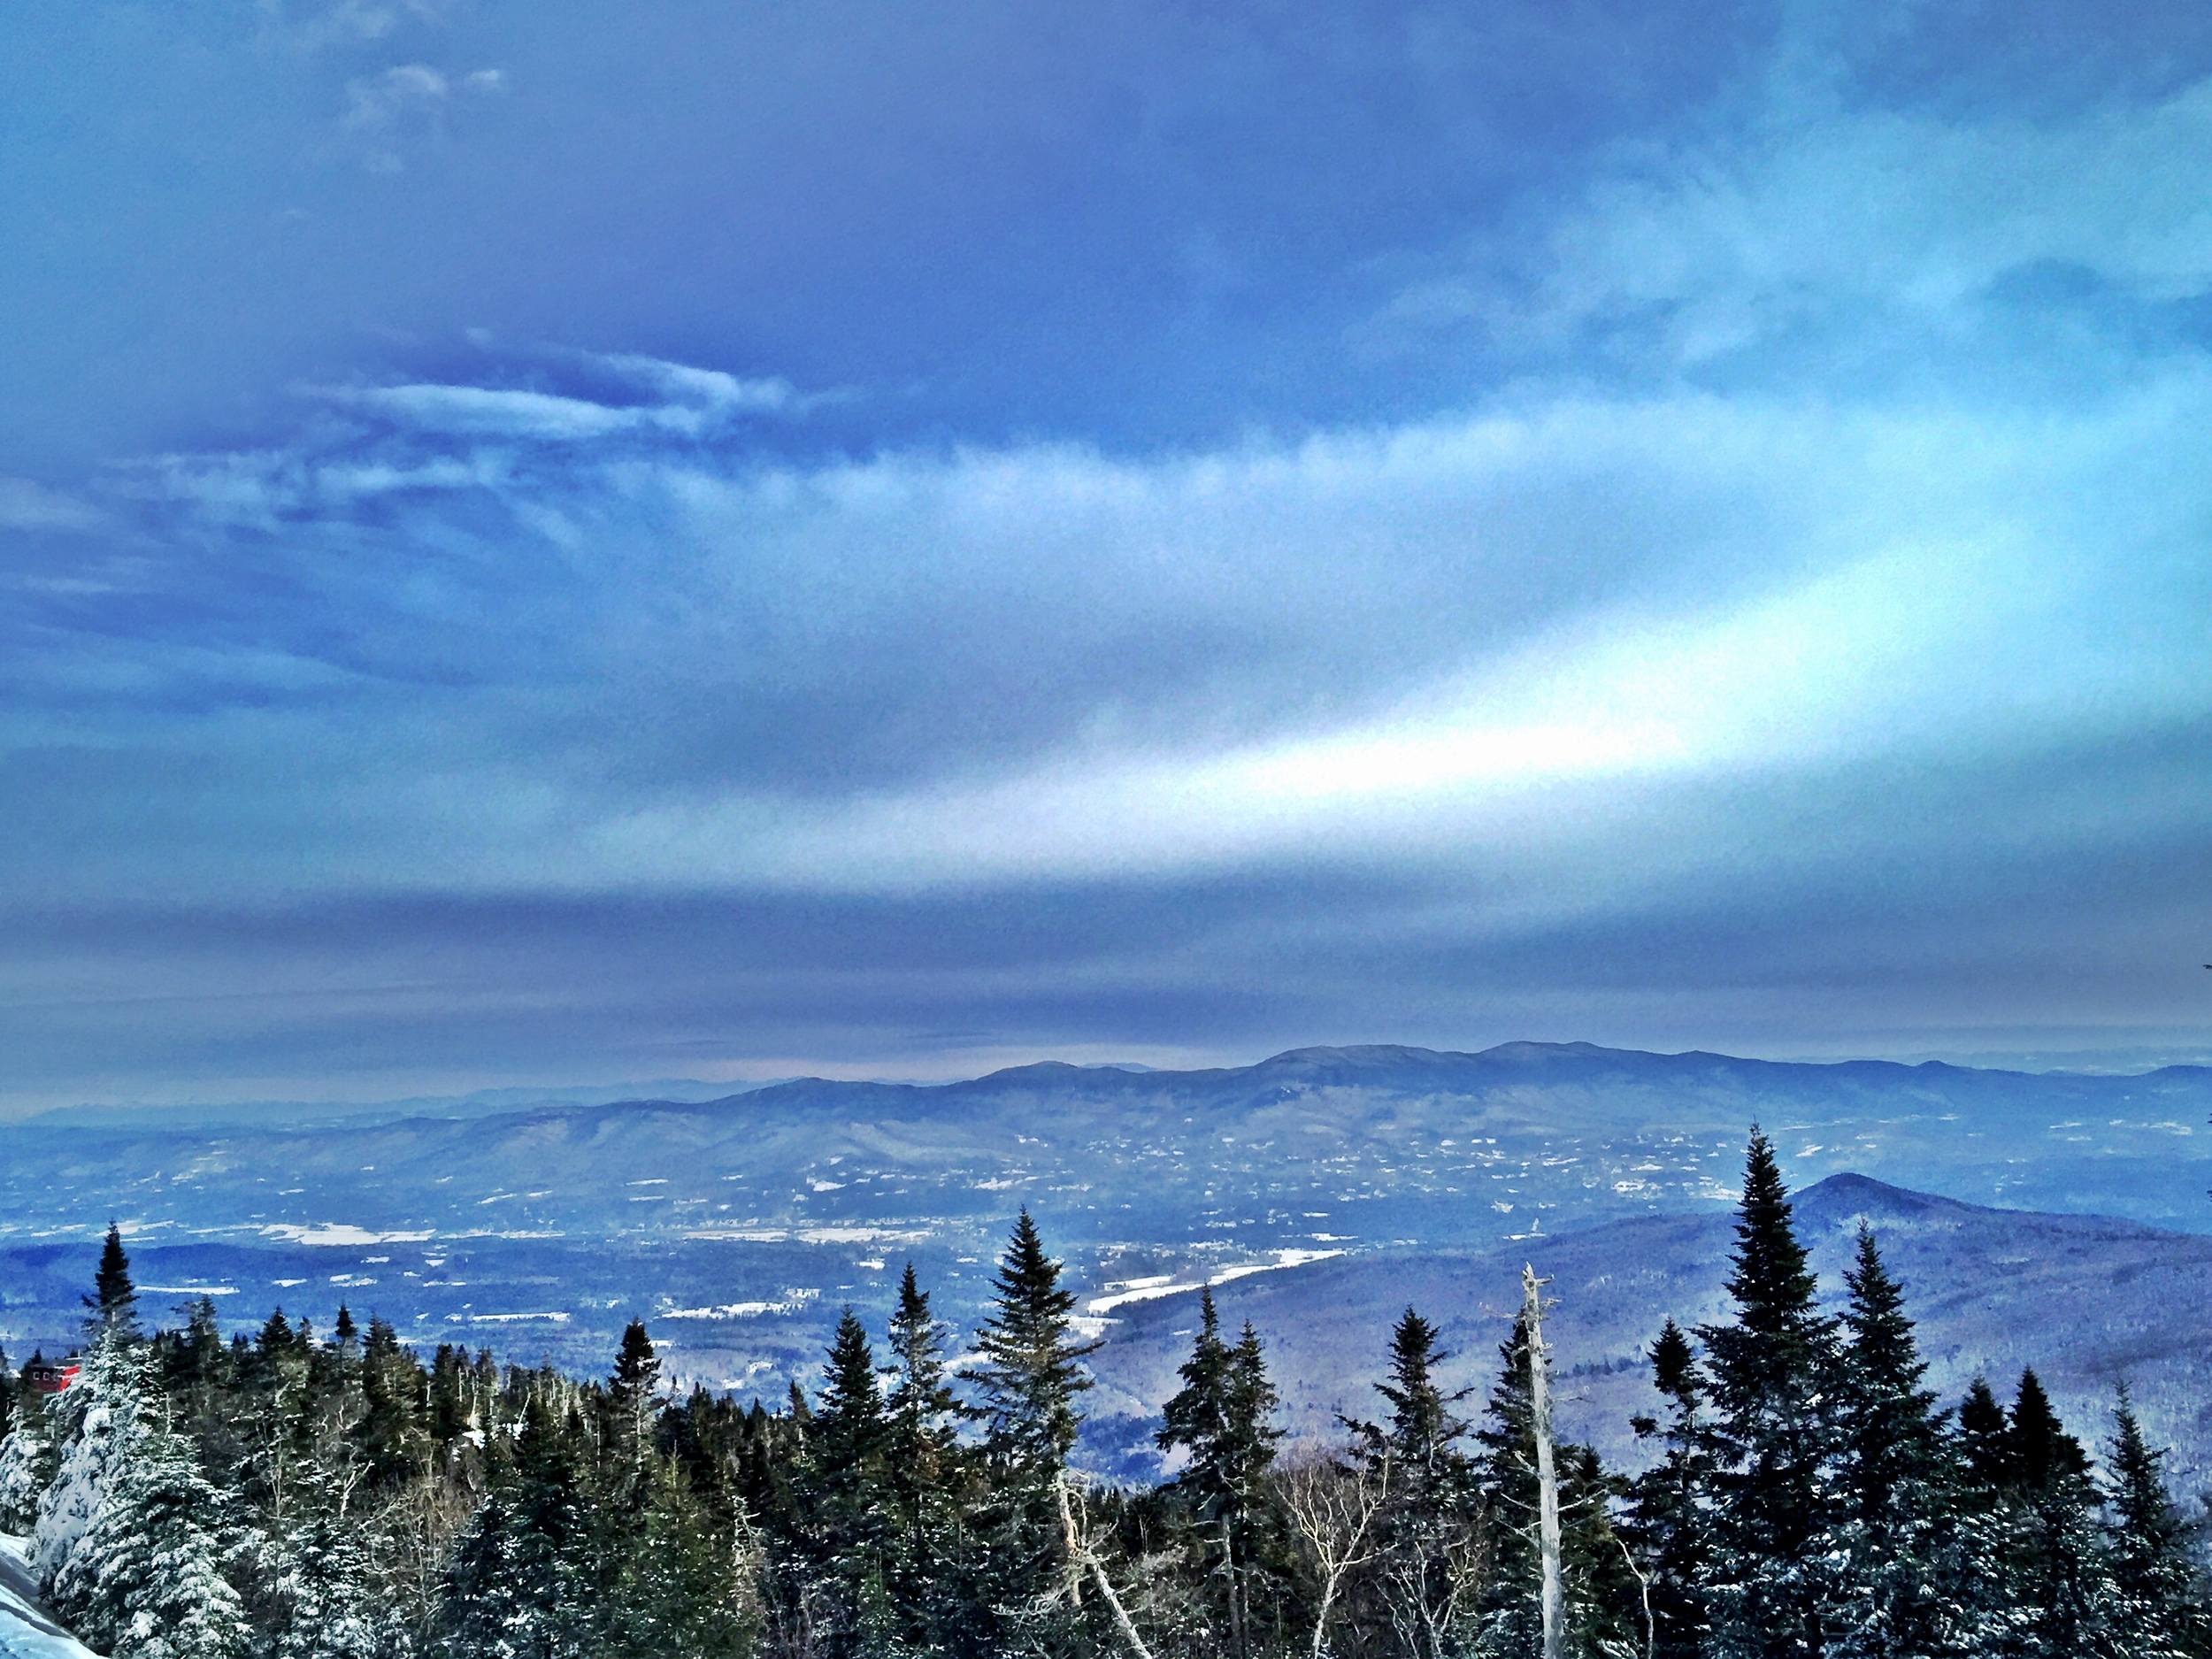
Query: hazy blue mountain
{"x": 737, "y": 1226}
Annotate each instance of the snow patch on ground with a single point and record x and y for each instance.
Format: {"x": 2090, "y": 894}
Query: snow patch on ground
{"x": 1162, "y": 1285}
{"x": 26, "y": 1630}
{"x": 791, "y": 1302}
{"x": 336, "y": 1232}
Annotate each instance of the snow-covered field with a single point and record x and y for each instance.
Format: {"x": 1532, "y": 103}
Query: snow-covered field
{"x": 26, "y": 1631}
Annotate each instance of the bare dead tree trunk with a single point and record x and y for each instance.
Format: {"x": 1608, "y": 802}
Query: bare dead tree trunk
{"x": 1236, "y": 1610}
{"x": 1547, "y": 1474}
{"x": 1073, "y": 1544}
{"x": 1333, "y": 1511}
{"x": 1081, "y": 1556}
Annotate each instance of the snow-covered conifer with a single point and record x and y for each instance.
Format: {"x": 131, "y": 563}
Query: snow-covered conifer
{"x": 146, "y": 1579}
{"x": 98, "y": 1424}
{"x": 1772, "y": 1370}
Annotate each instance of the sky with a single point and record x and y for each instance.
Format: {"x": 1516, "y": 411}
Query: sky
{"x": 561, "y": 543}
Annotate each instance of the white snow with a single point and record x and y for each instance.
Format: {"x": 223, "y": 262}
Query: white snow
{"x": 336, "y": 1232}
{"x": 26, "y": 1630}
{"x": 1152, "y": 1289}
{"x": 793, "y": 1298}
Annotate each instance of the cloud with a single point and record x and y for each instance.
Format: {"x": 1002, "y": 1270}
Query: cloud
{"x": 621, "y": 656}
{"x": 28, "y": 506}
{"x": 1827, "y": 216}
{"x": 380, "y": 101}
{"x": 407, "y": 103}
{"x": 1788, "y": 613}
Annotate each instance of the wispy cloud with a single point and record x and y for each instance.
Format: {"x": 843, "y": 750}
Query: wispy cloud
{"x": 407, "y": 103}
{"x": 1828, "y": 218}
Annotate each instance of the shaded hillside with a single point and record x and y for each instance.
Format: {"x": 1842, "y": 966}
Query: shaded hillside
{"x": 2088, "y": 1301}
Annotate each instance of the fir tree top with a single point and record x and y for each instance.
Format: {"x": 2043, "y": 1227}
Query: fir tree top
{"x": 115, "y": 1300}
{"x": 848, "y": 1416}
{"x": 2041, "y": 1450}
{"x": 1423, "y": 1427}
{"x": 1032, "y": 1369}
{"x": 637, "y": 1368}
{"x": 1772, "y": 1283}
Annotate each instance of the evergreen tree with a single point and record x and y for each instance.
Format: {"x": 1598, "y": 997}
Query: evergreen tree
{"x": 1772, "y": 1374}
{"x": 114, "y": 1301}
{"x": 2056, "y": 1583}
{"x": 1221, "y": 1417}
{"x": 632, "y": 1403}
{"x": 1032, "y": 1369}
{"x": 1985, "y": 1444}
{"x": 924, "y": 1468}
{"x": 521, "y": 1582}
{"x": 98, "y": 1424}
{"x": 1431, "y": 1546}
{"x": 1030, "y": 1377}
{"x": 678, "y": 1588}
{"x": 147, "y": 1581}
{"x": 2154, "y": 1571}
{"x": 845, "y": 1488}
{"x": 1890, "y": 1599}
{"x": 26, "y": 1465}
{"x": 327, "y": 1590}
{"x": 2038, "y": 1450}
{"x": 389, "y": 1434}
{"x": 1666, "y": 1520}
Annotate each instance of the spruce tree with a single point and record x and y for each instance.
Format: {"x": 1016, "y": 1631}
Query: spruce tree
{"x": 522, "y": 1580}
{"x": 1983, "y": 1441}
{"x": 147, "y": 1581}
{"x": 1592, "y": 1567}
{"x": 843, "y": 1493}
{"x": 632, "y": 1399}
{"x": 389, "y": 1435}
{"x": 924, "y": 1468}
{"x": 2057, "y": 1582}
{"x": 1890, "y": 1598}
{"x": 677, "y": 1587}
{"x": 1030, "y": 1378}
{"x": 97, "y": 1424}
{"x": 1221, "y": 1416}
{"x": 1667, "y": 1522}
{"x": 1772, "y": 1371}
{"x": 114, "y": 1300}
{"x": 1432, "y": 1550}
{"x": 1192, "y": 1416}
{"x": 1031, "y": 1369}
{"x": 2154, "y": 1571}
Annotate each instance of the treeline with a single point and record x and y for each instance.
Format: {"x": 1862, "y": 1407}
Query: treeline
{"x": 302, "y": 1497}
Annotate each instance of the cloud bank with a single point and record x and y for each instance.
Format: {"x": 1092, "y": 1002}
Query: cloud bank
{"x": 1789, "y": 633}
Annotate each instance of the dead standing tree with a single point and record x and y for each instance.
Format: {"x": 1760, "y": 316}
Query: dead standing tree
{"x": 1334, "y": 1509}
{"x": 1546, "y": 1470}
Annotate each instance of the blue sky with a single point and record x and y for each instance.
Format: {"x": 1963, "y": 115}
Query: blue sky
{"x": 564, "y": 543}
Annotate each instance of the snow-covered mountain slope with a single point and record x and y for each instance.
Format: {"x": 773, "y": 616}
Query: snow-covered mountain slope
{"x": 26, "y": 1630}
